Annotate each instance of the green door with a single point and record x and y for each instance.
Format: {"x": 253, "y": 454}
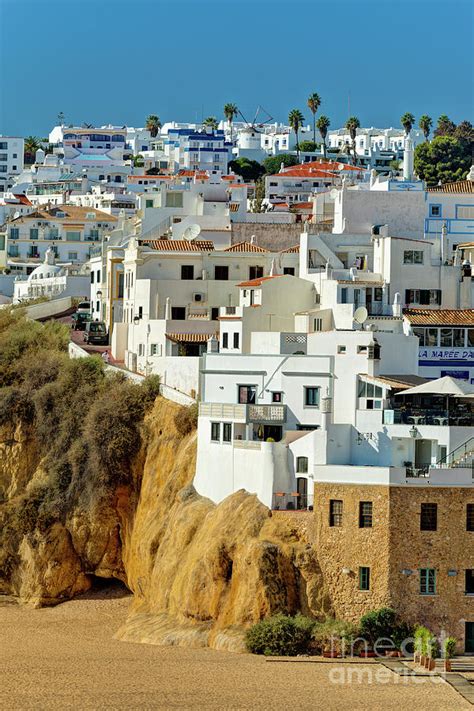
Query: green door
{"x": 469, "y": 644}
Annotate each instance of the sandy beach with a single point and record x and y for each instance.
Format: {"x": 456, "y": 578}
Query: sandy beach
{"x": 65, "y": 657}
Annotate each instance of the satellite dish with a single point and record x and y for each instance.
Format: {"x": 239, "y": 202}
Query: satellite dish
{"x": 191, "y": 232}
{"x": 361, "y": 315}
{"x": 333, "y": 193}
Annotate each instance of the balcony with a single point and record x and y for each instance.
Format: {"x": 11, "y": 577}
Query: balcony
{"x": 244, "y": 413}
{"x": 408, "y": 416}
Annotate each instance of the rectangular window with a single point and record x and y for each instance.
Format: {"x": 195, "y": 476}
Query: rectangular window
{"x": 465, "y": 212}
{"x": 435, "y": 210}
{"x": 317, "y": 324}
{"x": 412, "y": 256}
{"x": 364, "y": 578}
{"x": 247, "y": 394}
{"x": 215, "y": 431}
{"x": 335, "y": 512}
{"x": 301, "y": 465}
{"x": 427, "y": 581}
{"x": 431, "y": 336}
{"x": 341, "y": 349}
{"x": 73, "y": 236}
{"x": 14, "y": 233}
{"x": 187, "y": 271}
{"x": 221, "y": 273}
{"x": 469, "y": 589}
{"x": 344, "y": 296}
{"x": 92, "y": 277}
{"x": 420, "y": 332}
{"x": 225, "y": 340}
{"x": 446, "y": 337}
{"x": 148, "y": 203}
{"x": 365, "y": 514}
{"x": 277, "y": 397}
{"x": 470, "y": 517}
{"x": 227, "y": 432}
{"x": 458, "y": 337}
{"x": 174, "y": 199}
{"x": 289, "y": 270}
{"x": 34, "y": 233}
{"x": 429, "y": 517}
{"x": 255, "y": 272}
{"x": 72, "y": 256}
{"x": 214, "y": 313}
{"x": 154, "y": 349}
{"x": 236, "y": 340}
{"x": 311, "y": 397}
{"x": 178, "y": 313}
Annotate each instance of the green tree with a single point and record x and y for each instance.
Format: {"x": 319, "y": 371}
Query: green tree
{"x": 444, "y": 127}
{"x": 248, "y": 169}
{"x": 32, "y": 143}
{"x": 153, "y": 124}
{"x": 407, "y": 121}
{"x": 323, "y": 124}
{"x": 138, "y": 161}
{"x": 352, "y": 124}
{"x": 257, "y": 202}
{"x": 211, "y": 122}
{"x": 230, "y": 112}
{"x": 465, "y": 135}
{"x": 314, "y": 102}
{"x": 425, "y": 124}
{"x": 394, "y": 165}
{"x": 295, "y": 119}
{"x": 309, "y": 146}
{"x": 272, "y": 164}
{"x": 443, "y": 160}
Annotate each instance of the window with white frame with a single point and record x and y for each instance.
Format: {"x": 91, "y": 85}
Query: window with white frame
{"x": 311, "y": 396}
{"x": 413, "y": 256}
{"x": 465, "y": 212}
{"x": 370, "y": 396}
{"x": 215, "y": 431}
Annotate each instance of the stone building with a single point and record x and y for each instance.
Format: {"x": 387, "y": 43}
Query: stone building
{"x": 406, "y": 545}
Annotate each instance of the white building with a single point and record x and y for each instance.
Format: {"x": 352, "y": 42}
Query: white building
{"x": 11, "y": 160}
{"x": 51, "y": 280}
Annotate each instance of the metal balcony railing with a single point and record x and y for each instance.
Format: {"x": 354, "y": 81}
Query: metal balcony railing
{"x": 248, "y": 413}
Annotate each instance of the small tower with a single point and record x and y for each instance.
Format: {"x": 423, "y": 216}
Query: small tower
{"x": 408, "y": 158}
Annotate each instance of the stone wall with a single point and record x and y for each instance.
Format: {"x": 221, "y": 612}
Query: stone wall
{"x": 395, "y": 543}
{"x": 269, "y": 236}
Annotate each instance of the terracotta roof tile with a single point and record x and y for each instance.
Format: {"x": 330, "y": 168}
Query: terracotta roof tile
{"x": 71, "y": 212}
{"x": 461, "y": 186}
{"x": 259, "y": 281}
{"x": 179, "y": 245}
{"x": 245, "y": 247}
{"x": 291, "y": 250}
{"x": 440, "y": 317}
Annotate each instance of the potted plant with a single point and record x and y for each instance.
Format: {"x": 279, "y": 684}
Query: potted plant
{"x": 433, "y": 651}
{"x": 450, "y": 644}
{"x": 333, "y": 637}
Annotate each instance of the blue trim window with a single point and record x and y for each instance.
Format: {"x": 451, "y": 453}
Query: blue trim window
{"x": 427, "y": 581}
{"x": 436, "y": 210}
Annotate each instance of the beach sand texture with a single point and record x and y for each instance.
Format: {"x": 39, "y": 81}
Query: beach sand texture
{"x": 65, "y": 657}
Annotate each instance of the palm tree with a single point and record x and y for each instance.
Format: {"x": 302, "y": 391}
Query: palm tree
{"x": 153, "y": 124}
{"x": 323, "y": 124}
{"x": 211, "y": 122}
{"x": 425, "y": 124}
{"x": 314, "y": 102}
{"x": 352, "y": 124}
{"x": 407, "y": 121}
{"x": 32, "y": 143}
{"x": 230, "y": 111}
{"x": 295, "y": 119}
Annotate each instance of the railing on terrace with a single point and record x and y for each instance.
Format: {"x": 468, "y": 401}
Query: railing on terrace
{"x": 292, "y": 501}
{"x": 419, "y": 471}
{"x": 462, "y": 457}
{"x": 376, "y": 309}
{"x": 402, "y": 416}
{"x": 248, "y": 413}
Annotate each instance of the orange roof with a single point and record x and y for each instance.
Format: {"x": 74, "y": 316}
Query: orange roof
{"x": 303, "y": 205}
{"x": 440, "y": 317}
{"x": 22, "y": 199}
{"x": 190, "y": 337}
{"x": 230, "y": 177}
{"x": 324, "y": 165}
{"x": 291, "y": 250}
{"x": 179, "y": 245}
{"x": 259, "y": 281}
{"x": 151, "y": 177}
{"x": 245, "y": 247}
{"x": 461, "y": 186}
{"x": 306, "y": 173}
{"x": 70, "y": 212}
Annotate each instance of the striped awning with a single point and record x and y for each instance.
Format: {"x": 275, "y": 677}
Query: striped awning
{"x": 189, "y": 337}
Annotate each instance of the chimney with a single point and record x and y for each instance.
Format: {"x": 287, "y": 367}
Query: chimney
{"x": 397, "y": 306}
{"x": 168, "y": 309}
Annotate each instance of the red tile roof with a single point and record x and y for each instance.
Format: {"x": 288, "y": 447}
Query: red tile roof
{"x": 259, "y": 281}
{"x": 291, "y": 250}
{"x": 245, "y": 247}
{"x": 461, "y": 186}
{"x": 179, "y": 245}
{"x": 440, "y": 317}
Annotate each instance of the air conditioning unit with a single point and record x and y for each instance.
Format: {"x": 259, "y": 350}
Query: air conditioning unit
{"x": 198, "y": 297}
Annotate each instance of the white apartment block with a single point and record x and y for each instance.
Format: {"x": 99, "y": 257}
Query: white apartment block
{"x": 11, "y": 160}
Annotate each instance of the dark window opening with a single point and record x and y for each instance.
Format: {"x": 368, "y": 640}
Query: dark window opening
{"x": 365, "y": 514}
{"x": 335, "y": 512}
{"x": 429, "y": 517}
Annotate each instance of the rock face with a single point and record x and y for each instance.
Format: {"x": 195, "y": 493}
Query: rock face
{"x": 200, "y": 573}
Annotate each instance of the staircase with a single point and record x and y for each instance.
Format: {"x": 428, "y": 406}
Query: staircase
{"x": 461, "y": 457}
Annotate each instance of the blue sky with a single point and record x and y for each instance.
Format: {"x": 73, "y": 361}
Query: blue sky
{"x": 116, "y": 61}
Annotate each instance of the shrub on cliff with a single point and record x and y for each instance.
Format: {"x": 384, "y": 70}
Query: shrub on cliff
{"x": 186, "y": 419}
{"x": 280, "y": 635}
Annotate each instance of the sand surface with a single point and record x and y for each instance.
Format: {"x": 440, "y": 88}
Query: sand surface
{"x": 65, "y": 657}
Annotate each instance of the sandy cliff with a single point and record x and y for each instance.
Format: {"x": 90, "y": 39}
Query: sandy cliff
{"x": 199, "y": 572}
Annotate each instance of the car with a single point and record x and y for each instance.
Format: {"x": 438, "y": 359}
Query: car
{"x": 95, "y": 333}
{"x": 79, "y": 321}
{"x": 83, "y": 307}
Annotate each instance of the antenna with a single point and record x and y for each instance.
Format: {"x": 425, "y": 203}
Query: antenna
{"x": 191, "y": 232}
{"x": 361, "y": 315}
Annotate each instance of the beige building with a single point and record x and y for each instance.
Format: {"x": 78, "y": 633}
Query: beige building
{"x": 410, "y": 547}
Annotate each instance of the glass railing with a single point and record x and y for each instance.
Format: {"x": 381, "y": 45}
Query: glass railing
{"x": 449, "y": 418}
